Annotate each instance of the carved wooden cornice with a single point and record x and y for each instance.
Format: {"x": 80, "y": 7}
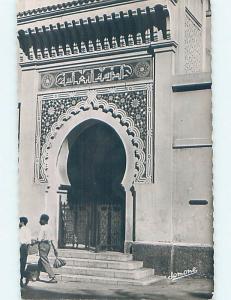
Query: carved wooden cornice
{"x": 67, "y": 7}
{"x": 131, "y": 28}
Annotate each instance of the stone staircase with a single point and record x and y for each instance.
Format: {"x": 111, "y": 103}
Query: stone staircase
{"x": 104, "y": 267}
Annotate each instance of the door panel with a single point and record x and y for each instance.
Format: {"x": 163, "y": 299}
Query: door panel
{"x": 85, "y": 226}
{"x": 82, "y": 225}
{"x": 66, "y": 234}
{"x": 95, "y": 168}
{"x": 117, "y": 228}
{"x": 103, "y": 224}
{"x": 110, "y": 227}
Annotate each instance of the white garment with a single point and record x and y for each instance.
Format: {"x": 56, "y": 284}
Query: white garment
{"x": 24, "y": 235}
{"x": 45, "y": 233}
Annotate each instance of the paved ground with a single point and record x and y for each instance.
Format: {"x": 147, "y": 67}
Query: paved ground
{"x": 182, "y": 289}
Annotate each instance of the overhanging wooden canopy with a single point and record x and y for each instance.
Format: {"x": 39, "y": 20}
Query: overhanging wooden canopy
{"x": 126, "y": 28}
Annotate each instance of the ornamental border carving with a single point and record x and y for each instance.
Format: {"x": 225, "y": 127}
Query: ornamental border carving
{"x": 143, "y": 153}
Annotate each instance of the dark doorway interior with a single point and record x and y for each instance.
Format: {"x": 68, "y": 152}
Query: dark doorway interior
{"x": 96, "y": 199}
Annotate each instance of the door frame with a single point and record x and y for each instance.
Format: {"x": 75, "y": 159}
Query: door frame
{"x": 94, "y": 207}
{"x": 56, "y": 163}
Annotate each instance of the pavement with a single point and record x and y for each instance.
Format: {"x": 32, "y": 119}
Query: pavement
{"x": 181, "y": 289}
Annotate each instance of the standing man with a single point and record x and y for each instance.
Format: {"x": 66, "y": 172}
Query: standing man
{"x": 25, "y": 241}
{"x": 45, "y": 240}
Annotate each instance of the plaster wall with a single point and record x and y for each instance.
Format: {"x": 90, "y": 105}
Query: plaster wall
{"x": 196, "y": 8}
{"x": 192, "y": 167}
{"x": 182, "y": 172}
{"x": 154, "y": 202}
{"x": 31, "y": 195}
{"x": 192, "y": 181}
{"x": 208, "y": 43}
{"x": 192, "y": 116}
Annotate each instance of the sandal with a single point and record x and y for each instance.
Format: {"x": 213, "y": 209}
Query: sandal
{"x": 53, "y": 280}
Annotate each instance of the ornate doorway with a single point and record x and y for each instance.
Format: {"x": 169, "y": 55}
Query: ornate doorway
{"x": 94, "y": 216}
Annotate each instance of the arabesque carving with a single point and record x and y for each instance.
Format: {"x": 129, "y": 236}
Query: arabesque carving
{"x": 132, "y": 106}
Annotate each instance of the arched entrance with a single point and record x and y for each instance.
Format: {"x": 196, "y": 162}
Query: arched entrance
{"x": 55, "y": 157}
{"x": 95, "y": 167}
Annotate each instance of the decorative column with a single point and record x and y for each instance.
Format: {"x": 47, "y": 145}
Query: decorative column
{"x": 128, "y": 219}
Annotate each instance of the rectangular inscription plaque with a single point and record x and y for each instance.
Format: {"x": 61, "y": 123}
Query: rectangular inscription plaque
{"x": 129, "y": 70}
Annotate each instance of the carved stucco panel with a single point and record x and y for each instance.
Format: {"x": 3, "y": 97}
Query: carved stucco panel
{"x": 193, "y": 45}
{"x": 131, "y": 104}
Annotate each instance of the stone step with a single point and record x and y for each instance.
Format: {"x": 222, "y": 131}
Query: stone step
{"x": 111, "y": 256}
{"x": 104, "y": 267}
{"x": 108, "y": 273}
{"x": 106, "y": 264}
{"x": 110, "y": 280}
